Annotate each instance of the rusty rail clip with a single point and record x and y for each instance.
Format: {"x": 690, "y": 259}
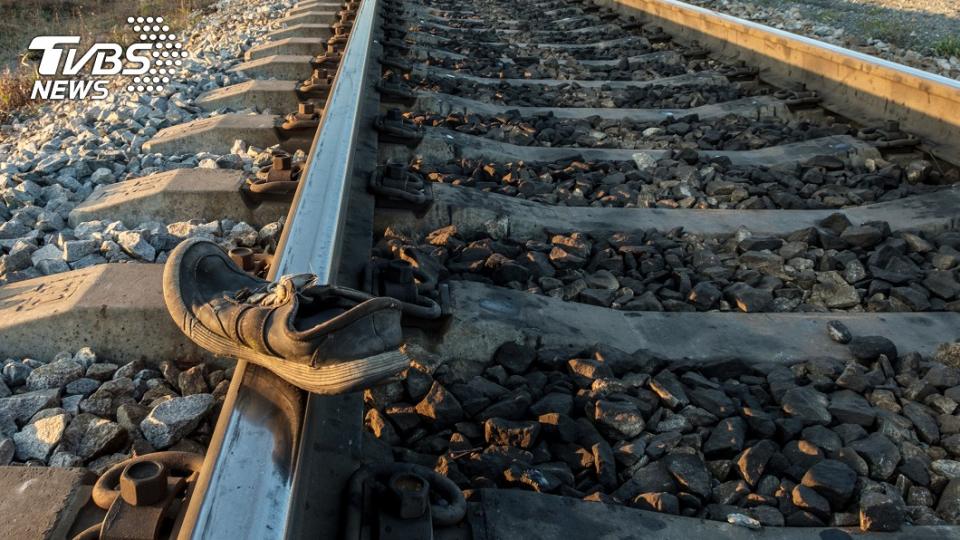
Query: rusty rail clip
{"x": 252, "y": 262}
{"x": 395, "y": 62}
{"x": 696, "y": 51}
{"x": 395, "y": 501}
{"x": 394, "y": 128}
{"x": 328, "y": 59}
{"x": 400, "y": 280}
{"x": 399, "y": 47}
{"x": 655, "y": 34}
{"x": 393, "y": 90}
{"x": 798, "y": 97}
{"x": 395, "y": 187}
{"x": 339, "y": 37}
{"x": 143, "y": 496}
{"x": 275, "y": 182}
{"x": 306, "y": 118}
{"x": 318, "y": 85}
{"x": 741, "y": 72}
{"x": 394, "y": 34}
{"x": 888, "y": 136}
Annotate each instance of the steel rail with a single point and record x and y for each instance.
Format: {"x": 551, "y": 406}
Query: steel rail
{"x": 246, "y": 487}
{"x": 857, "y": 85}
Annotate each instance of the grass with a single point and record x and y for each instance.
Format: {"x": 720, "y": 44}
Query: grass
{"x": 92, "y": 20}
{"x": 827, "y": 16}
{"x": 887, "y": 30}
{"x": 15, "y": 89}
{"x": 948, "y": 46}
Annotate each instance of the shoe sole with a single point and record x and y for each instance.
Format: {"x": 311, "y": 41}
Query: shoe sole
{"x": 338, "y": 378}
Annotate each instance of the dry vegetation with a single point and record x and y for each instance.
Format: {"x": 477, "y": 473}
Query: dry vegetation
{"x": 21, "y": 21}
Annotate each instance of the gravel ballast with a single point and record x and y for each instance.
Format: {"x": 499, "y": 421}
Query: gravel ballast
{"x": 53, "y": 158}
{"x": 872, "y": 442}
{"x": 80, "y": 410}
{"x": 837, "y": 266}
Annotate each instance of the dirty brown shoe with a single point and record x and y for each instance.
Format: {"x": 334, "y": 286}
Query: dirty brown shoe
{"x": 324, "y": 339}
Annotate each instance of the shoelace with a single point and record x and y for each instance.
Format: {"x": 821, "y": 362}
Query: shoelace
{"x": 276, "y": 293}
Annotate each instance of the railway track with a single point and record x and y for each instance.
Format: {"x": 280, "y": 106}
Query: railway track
{"x": 657, "y": 280}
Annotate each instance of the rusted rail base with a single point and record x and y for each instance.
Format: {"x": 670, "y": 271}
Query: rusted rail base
{"x": 858, "y": 86}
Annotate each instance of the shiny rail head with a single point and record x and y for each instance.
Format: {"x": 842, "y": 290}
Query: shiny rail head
{"x": 246, "y": 487}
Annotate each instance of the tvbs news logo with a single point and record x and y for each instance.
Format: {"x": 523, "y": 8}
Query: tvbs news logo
{"x": 147, "y": 64}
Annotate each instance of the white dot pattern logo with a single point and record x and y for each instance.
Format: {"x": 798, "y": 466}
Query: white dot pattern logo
{"x": 165, "y": 45}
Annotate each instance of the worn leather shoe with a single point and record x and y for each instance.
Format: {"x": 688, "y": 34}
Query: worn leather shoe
{"x": 324, "y": 339}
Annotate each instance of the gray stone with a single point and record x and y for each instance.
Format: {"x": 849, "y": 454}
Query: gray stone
{"x": 515, "y": 358}
{"x": 102, "y": 175}
{"x": 869, "y": 348}
{"x": 942, "y": 376}
{"x": 129, "y": 415}
{"x": 864, "y": 236}
{"x": 923, "y": 422}
{"x": 46, "y": 413}
{"x": 65, "y": 460}
{"x": 134, "y": 244}
{"x": 174, "y": 419}
{"x": 7, "y": 425}
{"x": 54, "y": 375}
{"x": 101, "y": 464}
{"x": 849, "y": 407}
{"x": 753, "y": 461}
{"x": 86, "y": 358}
{"x": 192, "y": 381}
{"x": 670, "y": 389}
{"x": 949, "y": 505}
{"x": 440, "y": 407}
{"x": 618, "y": 419}
{"x": 52, "y": 266}
{"x": 704, "y": 295}
{"x": 808, "y": 500}
{"x": 880, "y": 512}
{"x": 554, "y": 402}
{"x": 101, "y": 372}
{"x": 82, "y": 386}
{"x": 946, "y": 467}
{"x": 743, "y": 520}
{"x": 833, "y": 291}
{"x": 833, "y": 480}
{"x": 498, "y": 431}
{"x": 74, "y": 250}
{"x": 8, "y": 449}
{"x": 727, "y": 438}
{"x": 690, "y": 473}
{"x": 651, "y": 478}
{"x": 807, "y": 405}
{"x": 823, "y": 438}
{"x": 48, "y": 252}
{"x": 881, "y": 454}
{"x": 16, "y": 373}
{"x": 101, "y": 438}
{"x": 38, "y": 439}
{"x": 22, "y": 407}
{"x": 71, "y": 404}
{"x": 663, "y": 502}
{"x": 942, "y": 284}
{"x": 749, "y": 299}
{"x": 839, "y": 332}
